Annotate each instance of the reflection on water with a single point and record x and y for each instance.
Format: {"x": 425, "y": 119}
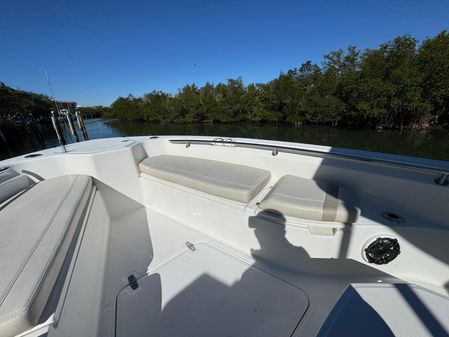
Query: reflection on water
{"x": 431, "y": 144}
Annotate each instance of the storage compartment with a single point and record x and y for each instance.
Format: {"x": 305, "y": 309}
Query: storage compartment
{"x": 204, "y": 292}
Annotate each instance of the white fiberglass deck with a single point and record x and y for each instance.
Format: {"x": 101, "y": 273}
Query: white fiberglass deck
{"x": 213, "y": 290}
{"x": 205, "y": 292}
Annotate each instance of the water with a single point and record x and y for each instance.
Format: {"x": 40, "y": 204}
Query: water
{"x": 432, "y": 144}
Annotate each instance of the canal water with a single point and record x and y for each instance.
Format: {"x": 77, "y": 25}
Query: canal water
{"x": 433, "y": 144}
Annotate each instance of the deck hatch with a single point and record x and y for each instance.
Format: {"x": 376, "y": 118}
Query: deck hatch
{"x": 209, "y": 293}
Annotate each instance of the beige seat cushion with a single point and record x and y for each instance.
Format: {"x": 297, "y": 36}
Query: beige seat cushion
{"x": 231, "y": 181}
{"x": 35, "y": 232}
{"x": 309, "y": 199}
{"x": 12, "y": 183}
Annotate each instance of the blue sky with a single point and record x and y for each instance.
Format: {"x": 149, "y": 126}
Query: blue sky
{"x": 95, "y": 51}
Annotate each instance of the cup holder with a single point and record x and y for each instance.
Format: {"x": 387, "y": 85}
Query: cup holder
{"x": 394, "y": 217}
{"x": 33, "y": 155}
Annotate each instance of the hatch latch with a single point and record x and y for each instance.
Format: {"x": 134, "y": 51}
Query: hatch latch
{"x": 132, "y": 282}
{"x": 191, "y": 246}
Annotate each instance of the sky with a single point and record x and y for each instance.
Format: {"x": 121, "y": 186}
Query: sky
{"x": 95, "y": 51}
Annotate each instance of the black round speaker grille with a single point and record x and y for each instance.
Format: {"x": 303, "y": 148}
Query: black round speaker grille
{"x": 382, "y": 250}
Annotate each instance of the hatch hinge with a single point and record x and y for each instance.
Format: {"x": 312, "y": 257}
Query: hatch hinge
{"x": 132, "y": 282}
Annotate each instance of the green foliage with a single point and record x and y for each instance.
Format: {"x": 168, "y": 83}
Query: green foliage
{"x": 390, "y": 87}
{"x": 433, "y": 65}
{"x": 18, "y": 103}
{"x": 399, "y": 84}
{"x": 95, "y": 111}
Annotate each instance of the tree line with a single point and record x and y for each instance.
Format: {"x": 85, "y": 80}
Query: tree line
{"x": 17, "y": 104}
{"x": 402, "y": 83}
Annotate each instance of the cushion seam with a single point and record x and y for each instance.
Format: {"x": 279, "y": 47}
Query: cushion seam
{"x": 59, "y": 241}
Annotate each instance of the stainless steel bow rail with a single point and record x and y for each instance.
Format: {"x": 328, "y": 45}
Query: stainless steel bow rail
{"x": 442, "y": 179}
{"x": 58, "y": 131}
{"x": 82, "y": 127}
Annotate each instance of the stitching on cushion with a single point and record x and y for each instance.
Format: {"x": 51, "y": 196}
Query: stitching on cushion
{"x": 14, "y": 316}
{"x": 53, "y": 253}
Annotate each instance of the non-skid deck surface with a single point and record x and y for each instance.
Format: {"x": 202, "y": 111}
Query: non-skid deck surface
{"x": 208, "y": 293}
